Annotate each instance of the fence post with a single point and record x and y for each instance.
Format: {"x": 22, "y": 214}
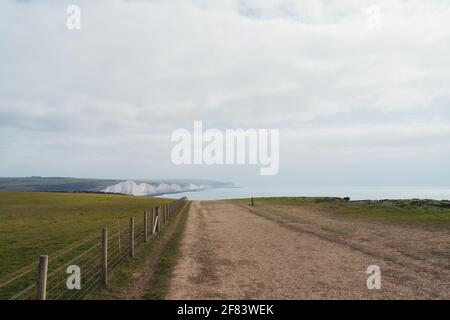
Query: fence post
{"x": 159, "y": 218}
{"x": 131, "y": 237}
{"x": 252, "y": 201}
{"x": 152, "y": 222}
{"x": 145, "y": 226}
{"x": 154, "y": 214}
{"x": 156, "y": 222}
{"x": 155, "y": 227}
{"x": 105, "y": 256}
{"x": 118, "y": 232}
{"x": 43, "y": 267}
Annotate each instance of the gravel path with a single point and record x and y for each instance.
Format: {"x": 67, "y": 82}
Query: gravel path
{"x": 229, "y": 252}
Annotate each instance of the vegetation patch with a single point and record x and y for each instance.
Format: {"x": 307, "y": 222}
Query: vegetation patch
{"x": 433, "y": 213}
{"x": 35, "y": 223}
{"x": 159, "y": 286}
{"x": 160, "y": 254}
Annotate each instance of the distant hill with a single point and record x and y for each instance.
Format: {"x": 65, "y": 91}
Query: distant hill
{"x": 64, "y": 184}
{"x": 54, "y": 184}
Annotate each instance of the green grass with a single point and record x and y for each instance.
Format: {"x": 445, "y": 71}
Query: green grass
{"x": 32, "y": 223}
{"x": 159, "y": 287}
{"x": 425, "y": 212}
{"x": 122, "y": 277}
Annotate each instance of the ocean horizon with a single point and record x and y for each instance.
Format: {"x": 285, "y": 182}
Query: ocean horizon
{"x": 355, "y": 193}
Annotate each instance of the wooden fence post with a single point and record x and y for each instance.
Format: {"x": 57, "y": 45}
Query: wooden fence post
{"x": 152, "y": 222}
{"x": 145, "y": 226}
{"x": 43, "y": 267}
{"x": 131, "y": 237}
{"x": 252, "y": 201}
{"x": 105, "y": 256}
{"x": 118, "y": 232}
{"x": 159, "y": 218}
{"x": 156, "y": 221}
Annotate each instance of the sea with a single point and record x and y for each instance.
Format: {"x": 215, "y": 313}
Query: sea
{"x": 355, "y": 193}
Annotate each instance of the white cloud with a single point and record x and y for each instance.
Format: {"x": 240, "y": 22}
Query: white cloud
{"x": 139, "y": 69}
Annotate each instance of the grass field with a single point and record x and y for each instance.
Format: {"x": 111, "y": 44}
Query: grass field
{"x": 32, "y": 224}
{"x": 430, "y": 213}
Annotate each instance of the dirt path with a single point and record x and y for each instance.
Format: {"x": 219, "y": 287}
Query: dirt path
{"x": 231, "y": 253}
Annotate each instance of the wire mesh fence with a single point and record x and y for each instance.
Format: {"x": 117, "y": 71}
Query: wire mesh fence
{"x": 90, "y": 260}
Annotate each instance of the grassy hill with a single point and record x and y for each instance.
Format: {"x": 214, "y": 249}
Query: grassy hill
{"x": 34, "y": 223}
{"x": 54, "y": 184}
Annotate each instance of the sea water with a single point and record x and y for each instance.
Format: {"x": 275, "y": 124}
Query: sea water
{"x": 355, "y": 193}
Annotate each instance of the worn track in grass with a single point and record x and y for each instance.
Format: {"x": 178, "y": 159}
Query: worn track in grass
{"x": 147, "y": 275}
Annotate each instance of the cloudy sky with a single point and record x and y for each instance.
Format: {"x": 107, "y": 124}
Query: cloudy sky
{"x": 359, "y": 98}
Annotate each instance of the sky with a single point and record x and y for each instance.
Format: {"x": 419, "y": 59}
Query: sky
{"x": 359, "y": 90}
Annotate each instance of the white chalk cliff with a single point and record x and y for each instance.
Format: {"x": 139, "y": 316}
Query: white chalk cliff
{"x": 146, "y": 189}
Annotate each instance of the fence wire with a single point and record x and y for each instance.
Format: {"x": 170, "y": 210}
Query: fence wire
{"x": 87, "y": 254}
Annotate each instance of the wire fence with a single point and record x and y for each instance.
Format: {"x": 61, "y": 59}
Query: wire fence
{"x": 90, "y": 260}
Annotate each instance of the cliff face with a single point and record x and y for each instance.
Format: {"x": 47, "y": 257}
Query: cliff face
{"x": 145, "y": 189}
